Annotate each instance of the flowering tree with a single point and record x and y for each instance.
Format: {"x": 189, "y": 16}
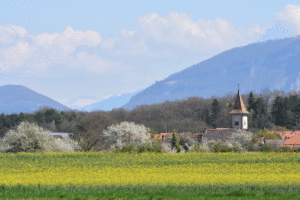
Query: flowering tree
{"x": 241, "y": 139}
{"x": 126, "y": 133}
{"x": 32, "y": 138}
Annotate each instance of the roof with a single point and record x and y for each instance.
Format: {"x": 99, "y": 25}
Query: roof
{"x": 62, "y": 134}
{"x": 290, "y": 137}
{"x": 159, "y": 136}
{"x": 239, "y": 107}
{"x": 222, "y": 134}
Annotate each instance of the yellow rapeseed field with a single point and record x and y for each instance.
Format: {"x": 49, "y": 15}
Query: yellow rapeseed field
{"x": 189, "y": 169}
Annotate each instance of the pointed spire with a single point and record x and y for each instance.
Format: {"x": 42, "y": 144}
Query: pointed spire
{"x": 239, "y": 107}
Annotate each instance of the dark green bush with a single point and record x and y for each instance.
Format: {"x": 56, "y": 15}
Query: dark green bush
{"x": 127, "y": 149}
{"x": 235, "y": 149}
{"x": 141, "y": 149}
{"x": 296, "y": 149}
{"x": 266, "y": 148}
{"x": 219, "y": 147}
{"x": 285, "y": 149}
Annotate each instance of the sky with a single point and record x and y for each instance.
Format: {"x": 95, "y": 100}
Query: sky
{"x": 82, "y": 52}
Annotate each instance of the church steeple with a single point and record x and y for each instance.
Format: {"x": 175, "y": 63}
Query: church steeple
{"x": 239, "y": 106}
{"x": 239, "y": 113}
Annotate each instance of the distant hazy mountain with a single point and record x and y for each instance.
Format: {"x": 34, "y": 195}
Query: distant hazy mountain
{"x": 274, "y": 64}
{"x": 17, "y": 98}
{"x": 110, "y": 103}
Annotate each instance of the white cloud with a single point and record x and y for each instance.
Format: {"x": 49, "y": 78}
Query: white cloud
{"x": 126, "y": 33}
{"x": 108, "y": 44}
{"x": 68, "y": 40}
{"x": 7, "y": 33}
{"x": 290, "y": 16}
{"x": 175, "y": 33}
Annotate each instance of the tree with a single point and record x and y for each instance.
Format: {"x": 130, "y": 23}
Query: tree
{"x": 279, "y": 111}
{"x": 260, "y": 118}
{"x": 91, "y": 130}
{"x": 126, "y": 133}
{"x": 241, "y": 139}
{"x": 215, "y": 110}
{"x": 251, "y": 101}
{"x": 29, "y": 137}
{"x": 174, "y": 142}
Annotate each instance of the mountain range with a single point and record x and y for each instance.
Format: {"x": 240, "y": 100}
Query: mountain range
{"x": 18, "y": 98}
{"x": 110, "y": 103}
{"x": 273, "y": 64}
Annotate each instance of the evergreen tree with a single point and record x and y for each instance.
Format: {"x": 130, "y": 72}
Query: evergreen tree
{"x": 175, "y": 143}
{"x": 260, "y": 117}
{"x": 207, "y": 117}
{"x": 251, "y": 101}
{"x": 215, "y": 110}
{"x": 279, "y": 111}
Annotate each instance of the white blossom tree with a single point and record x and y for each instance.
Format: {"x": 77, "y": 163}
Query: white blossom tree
{"x": 127, "y": 133}
{"x": 29, "y": 137}
{"x": 241, "y": 139}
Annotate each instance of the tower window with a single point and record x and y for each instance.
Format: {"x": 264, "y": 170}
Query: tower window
{"x": 236, "y": 123}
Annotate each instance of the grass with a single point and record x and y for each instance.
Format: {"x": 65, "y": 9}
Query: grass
{"x": 142, "y": 192}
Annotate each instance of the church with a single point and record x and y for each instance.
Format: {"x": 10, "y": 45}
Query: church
{"x": 239, "y": 120}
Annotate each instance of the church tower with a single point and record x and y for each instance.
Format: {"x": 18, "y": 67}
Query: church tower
{"x": 239, "y": 118}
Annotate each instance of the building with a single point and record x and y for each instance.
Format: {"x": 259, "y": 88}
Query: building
{"x": 57, "y": 135}
{"x": 288, "y": 138}
{"x": 239, "y": 118}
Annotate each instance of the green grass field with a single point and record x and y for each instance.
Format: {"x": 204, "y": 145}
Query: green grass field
{"x": 150, "y": 176}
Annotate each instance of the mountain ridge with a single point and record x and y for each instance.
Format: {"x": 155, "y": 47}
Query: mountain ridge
{"x": 268, "y": 64}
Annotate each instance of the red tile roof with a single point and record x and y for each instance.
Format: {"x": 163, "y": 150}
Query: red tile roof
{"x": 292, "y": 138}
{"x": 239, "y": 107}
{"x": 159, "y": 136}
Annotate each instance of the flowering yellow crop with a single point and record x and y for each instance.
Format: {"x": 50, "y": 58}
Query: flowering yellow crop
{"x": 198, "y": 169}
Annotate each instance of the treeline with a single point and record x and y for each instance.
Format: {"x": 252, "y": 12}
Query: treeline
{"x": 191, "y": 115}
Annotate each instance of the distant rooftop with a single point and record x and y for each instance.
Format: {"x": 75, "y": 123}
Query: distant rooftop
{"x": 62, "y": 134}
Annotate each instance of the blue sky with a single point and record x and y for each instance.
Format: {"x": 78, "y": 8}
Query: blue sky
{"x": 82, "y": 52}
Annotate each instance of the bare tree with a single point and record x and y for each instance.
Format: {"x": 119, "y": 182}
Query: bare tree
{"x": 91, "y": 130}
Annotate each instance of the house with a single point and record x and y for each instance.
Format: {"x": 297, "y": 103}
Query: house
{"x": 162, "y": 136}
{"x": 288, "y": 138}
{"x": 58, "y": 135}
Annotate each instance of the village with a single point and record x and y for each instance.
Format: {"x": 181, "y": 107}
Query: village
{"x": 239, "y": 122}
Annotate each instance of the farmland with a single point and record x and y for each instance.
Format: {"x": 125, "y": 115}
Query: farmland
{"x": 64, "y": 171}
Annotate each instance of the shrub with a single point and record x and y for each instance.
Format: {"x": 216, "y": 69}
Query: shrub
{"x": 236, "y": 149}
{"x": 296, "y": 149}
{"x": 265, "y": 148}
{"x": 268, "y": 134}
{"x": 219, "y": 147}
{"x": 285, "y": 149}
{"x": 141, "y": 149}
{"x": 198, "y": 148}
{"x": 127, "y": 149}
